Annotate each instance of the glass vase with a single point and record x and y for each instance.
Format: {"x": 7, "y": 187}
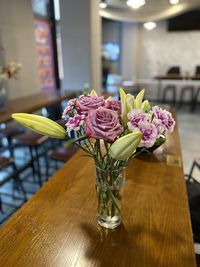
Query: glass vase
{"x": 109, "y": 188}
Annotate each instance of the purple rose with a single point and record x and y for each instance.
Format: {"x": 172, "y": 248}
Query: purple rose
{"x": 103, "y": 123}
{"x": 165, "y": 118}
{"x": 86, "y": 103}
{"x": 113, "y": 105}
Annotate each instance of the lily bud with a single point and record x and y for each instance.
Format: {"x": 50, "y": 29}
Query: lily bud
{"x": 40, "y": 125}
{"x": 138, "y": 99}
{"x": 125, "y": 146}
{"x": 123, "y": 104}
{"x": 93, "y": 93}
{"x": 129, "y": 103}
{"x": 146, "y": 106}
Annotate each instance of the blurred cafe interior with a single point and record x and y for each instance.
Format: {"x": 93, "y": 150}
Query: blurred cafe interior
{"x": 52, "y": 51}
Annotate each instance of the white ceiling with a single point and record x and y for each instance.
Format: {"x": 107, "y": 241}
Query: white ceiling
{"x": 153, "y": 10}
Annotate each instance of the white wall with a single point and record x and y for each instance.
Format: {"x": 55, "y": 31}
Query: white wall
{"x": 145, "y": 54}
{"x": 129, "y": 51}
{"x": 17, "y": 38}
{"x": 79, "y": 24}
{"x": 161, "y": 49}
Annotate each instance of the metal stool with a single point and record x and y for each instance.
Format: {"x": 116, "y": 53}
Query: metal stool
{"x": 190, "y": 90}
{"x": 195, "y": 164}
{"x": 8, "y": 133}
{"x": 193, "y": 190}
{"x": 33, "y": 141}
{"x": 5, "y": 163}
{"x": 172, "y": 89}
{"x": 195, "y": 99}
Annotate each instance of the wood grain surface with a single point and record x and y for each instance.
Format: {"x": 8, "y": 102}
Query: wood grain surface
{"x": 58, "y": 227}
{"x": 32, "y": 103}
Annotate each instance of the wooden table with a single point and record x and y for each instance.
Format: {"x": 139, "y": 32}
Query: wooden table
{"x": 58, "y": 227}
{"x": 32, "y": 103}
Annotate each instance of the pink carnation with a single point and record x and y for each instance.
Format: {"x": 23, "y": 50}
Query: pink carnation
{"x": 74, "y": 123}
{"x": 135, "y": 117}
{"x": 70, "y": 108}
{"x": 159, "y": 127}
{"x": 165, "y": 118}
{"x": 149, "y": 134}
{"x": 67, "y": 110}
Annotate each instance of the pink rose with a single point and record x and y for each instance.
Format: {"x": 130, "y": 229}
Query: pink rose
{"x": 86, "y": 103}
{"x": 103, "y": 123}
{"x": 113, "y": 105}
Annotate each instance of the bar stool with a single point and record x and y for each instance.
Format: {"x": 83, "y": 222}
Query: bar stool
{"x": 190, "y": 90}
{"x": 172, "y": 89}
{"x": 198, "y": 260}
{"x": 195, "y": 164}
{"x": 34, "y": 142}
{"x": 8, "y": 133}
{"x": 193, "y": 190}
{"x": 195, "y": 99}
{"x": 6, "y": 162}
{"x": 62, "y": 154}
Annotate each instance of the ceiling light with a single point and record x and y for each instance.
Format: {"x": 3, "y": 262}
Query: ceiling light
{"x": 135, "y": 3}
{"x": 174, "y": 2}
{"x": 150, "y": 25}
{"x": 103, "y": 4}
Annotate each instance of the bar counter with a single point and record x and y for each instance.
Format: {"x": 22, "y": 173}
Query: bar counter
{"x": 58, "y": 227}
{"x": 32, "y": 103}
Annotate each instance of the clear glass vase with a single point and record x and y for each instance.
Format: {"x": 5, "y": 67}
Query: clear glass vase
{"x": 109, "y": 188}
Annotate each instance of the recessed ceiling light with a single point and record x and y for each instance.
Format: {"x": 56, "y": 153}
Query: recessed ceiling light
{"x": 135, "y": 3}
{"x": 103, "y": 4}
{"x": 174, "y": 2}
{"x": 150, "y": 25}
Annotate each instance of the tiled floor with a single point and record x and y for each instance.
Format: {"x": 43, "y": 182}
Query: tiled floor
{"x": 30, "y": 183}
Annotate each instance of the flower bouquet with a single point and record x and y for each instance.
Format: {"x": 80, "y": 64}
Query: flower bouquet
{"x": 10, "y": 70}
{"x": 111, "y": 132}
